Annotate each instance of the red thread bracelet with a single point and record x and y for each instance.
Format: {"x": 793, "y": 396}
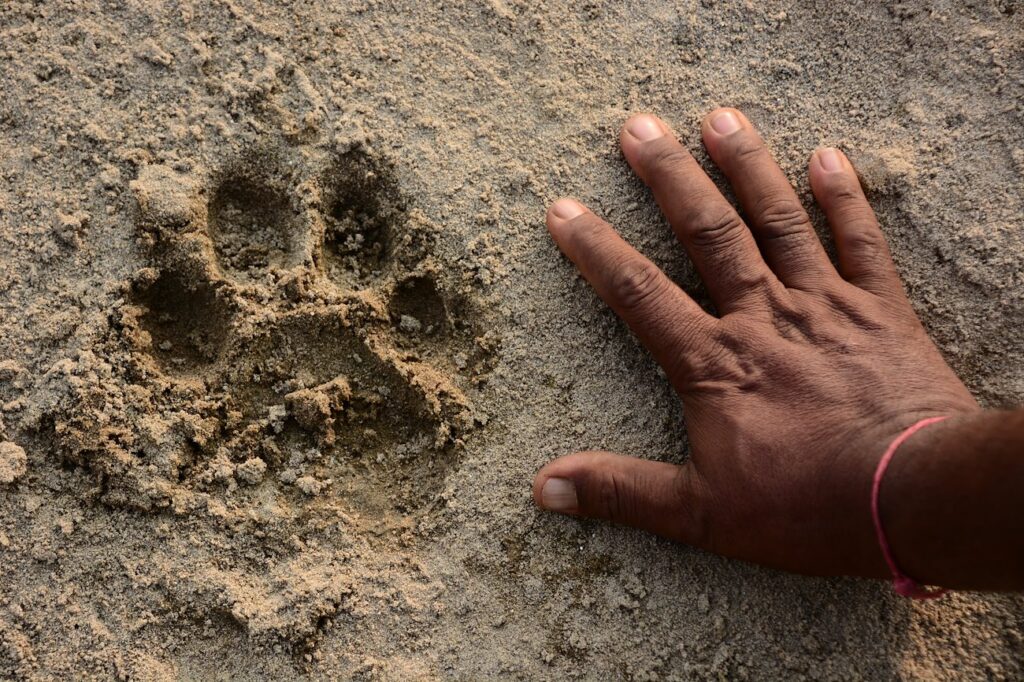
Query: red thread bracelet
{"x": 903, "y": 584}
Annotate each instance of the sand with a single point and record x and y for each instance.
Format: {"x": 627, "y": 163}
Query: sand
{"x": 284, "y": 338}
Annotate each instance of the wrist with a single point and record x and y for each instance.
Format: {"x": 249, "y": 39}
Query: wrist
{"x": 914, "y": 481}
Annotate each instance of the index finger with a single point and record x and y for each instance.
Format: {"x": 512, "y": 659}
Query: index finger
{"x": 667, "y": 321}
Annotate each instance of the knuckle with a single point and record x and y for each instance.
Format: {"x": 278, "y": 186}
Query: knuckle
{"x": 695, "y": 525}
{"x": 845, "y": 196}
{"x": 713, "y": 226}
{"x": 610, "y": 498}
{"x": 637, "y": 281}
{"x": 589, "y": 234}
{"x": 842, "y": 193}
{"x": 747, "y": 148}
{"x": 865, "y": 240}
{"x": 783, "y": 220}
{"x": 666, "y": 158}
{"x": 587, "y": 228}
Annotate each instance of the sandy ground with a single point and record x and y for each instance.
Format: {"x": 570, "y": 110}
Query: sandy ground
{"x": 284, "y": 338}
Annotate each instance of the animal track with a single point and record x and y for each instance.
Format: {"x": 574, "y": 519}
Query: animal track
{"x": 303, "y": 314}
{"x": 361, "y": 220}
{"x": 186, "y": 323}
{"x": 252, "y": 227}
{"x": 418, "y": 308}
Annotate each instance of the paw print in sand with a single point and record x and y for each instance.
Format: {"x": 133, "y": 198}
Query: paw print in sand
{"x": 296, "y": 311}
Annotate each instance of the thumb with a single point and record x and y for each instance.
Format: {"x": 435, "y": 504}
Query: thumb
{"x": 661, "y": 498}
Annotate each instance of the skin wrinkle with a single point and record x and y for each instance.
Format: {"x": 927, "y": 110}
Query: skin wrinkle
{"x": 635, "y": 283}
{"x": 863, "y": 246}
{"x": 799, "y": 259}
{"x": 714, "y": 229}
{"x": 744, "y": 151}
{"x": 783, "y": 222}
{"x": 646, "y": 287}
{"x": 845, "y": 198}
{"x": 842, "y": 304}
{"x": 687, "y": 373}
{"x": 789, "y": 329}
{"x": 664, "y": 163}
{"x": 610, "y": 497}
{"x": 694, "y": 525}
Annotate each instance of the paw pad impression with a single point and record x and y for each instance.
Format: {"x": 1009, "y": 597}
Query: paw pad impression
{"x": 301, "y": 335}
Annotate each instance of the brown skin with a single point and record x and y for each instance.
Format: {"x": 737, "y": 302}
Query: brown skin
{"x": 794, "y": 391}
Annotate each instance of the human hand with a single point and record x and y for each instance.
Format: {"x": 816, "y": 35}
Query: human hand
{"x": 792, "y": 393}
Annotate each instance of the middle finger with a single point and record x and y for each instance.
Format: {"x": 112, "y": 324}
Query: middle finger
{"x": 777, "y": 217}
{"x": 719, "y": 244}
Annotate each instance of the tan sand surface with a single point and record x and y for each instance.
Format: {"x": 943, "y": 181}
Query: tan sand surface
{"x": 283, "y": 338}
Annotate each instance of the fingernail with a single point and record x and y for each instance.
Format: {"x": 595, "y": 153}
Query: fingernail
{"x": 725, "y": 123}
{"x": 559, "y": 494}
{"x": 567, "y": 209}
{"x": 830, "y": 159}
{"x": 645, "y": 128}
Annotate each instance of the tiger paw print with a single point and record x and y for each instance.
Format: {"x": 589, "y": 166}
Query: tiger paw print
{"x": 296, "y": 317}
